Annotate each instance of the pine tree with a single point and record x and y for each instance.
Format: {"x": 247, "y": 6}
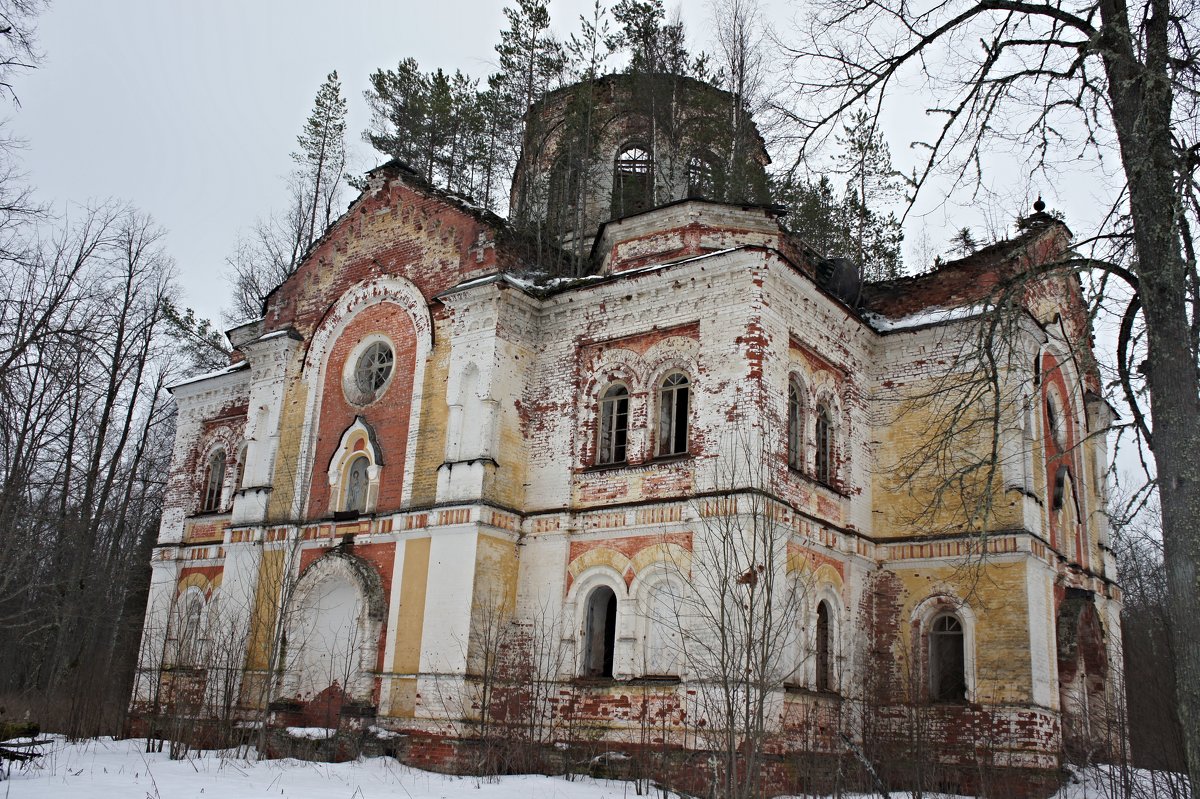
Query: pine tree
{"x": 851, "y": 225}
{"x": 398, "y": 100}
{"x": 322, "y": 156}
{"x": 871, "y": 183}
{"x": 532, "y": 62}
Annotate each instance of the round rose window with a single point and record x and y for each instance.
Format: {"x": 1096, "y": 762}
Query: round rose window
{"x": 371, "y": 372}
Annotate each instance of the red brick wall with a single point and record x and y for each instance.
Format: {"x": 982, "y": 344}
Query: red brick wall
{"x": 389, "y": 415}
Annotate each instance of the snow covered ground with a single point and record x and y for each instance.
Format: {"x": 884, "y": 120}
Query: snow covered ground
{"x": 109, "y": 769}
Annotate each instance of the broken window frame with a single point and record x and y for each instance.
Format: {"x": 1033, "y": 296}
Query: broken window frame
{"x": 613, "y": 429}
{"x": 214, "y": 482}
{"x": 633, "y": 180}
{"x": 674, "y": 406}
{"x": 823, "y": 433}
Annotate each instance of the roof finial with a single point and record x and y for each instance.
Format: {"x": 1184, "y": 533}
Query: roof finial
{"x": 1038, "y": 205}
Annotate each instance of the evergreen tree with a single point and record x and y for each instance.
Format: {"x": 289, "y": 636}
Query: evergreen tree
{"x": 532, "y": 62}
{"x": 398, "y": 100}
{"x": 271, "y": 251}
{"x": 871, "y": 183}
{"x": 851, "y": 225}
{"x": 963, "y": 243}
{"x": 322, "y": 156}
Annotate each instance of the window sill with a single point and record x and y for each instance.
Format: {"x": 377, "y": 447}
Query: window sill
{"x": 655, "y": 679}
{"x": 682, "y": 456}
{"x": 204, "y": 515}
{"x": 793, "y": 688}
{"x": 833, "y": 488}
{"x": 596, "y": 682}
{"x": 664, "y": 460}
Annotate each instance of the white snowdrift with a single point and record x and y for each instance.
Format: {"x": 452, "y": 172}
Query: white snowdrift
{"x": 109, "y": 769}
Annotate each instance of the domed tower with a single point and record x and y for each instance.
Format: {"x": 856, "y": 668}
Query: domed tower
{"x": 623, "y": 144}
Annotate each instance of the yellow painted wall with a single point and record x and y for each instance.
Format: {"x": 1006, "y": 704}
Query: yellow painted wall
{"x": 995, "y": 593}
{"x": 431, "y": 442}
{"x": 932, "y": 489}
{"x": 410, "y": 624}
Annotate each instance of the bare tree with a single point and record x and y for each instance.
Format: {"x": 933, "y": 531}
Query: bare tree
{"x": 1053, "y": 79}
{"x": 738, "y": 621}
{"x": 85, "y": 433}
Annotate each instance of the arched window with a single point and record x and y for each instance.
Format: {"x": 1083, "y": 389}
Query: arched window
{"x": 562, "y": 197}
{"x": 1054, "y": 420}
{"x": 947, "y": 661}
{"x": 371, "y": 372}
{"x": 824, "y": 456}
{"x": 600, "y": 633}
{"x": 357, "y": 482}
{"x": 633, "y": 181}
{"x": 614, "y": 425}
{"x": 824, "y": 649}
{"x": 673, "y": 415}
{"x": 186, "y": 632}
{"x": 795, "y": 425}
{"x": 239, "y": 466}
{"x": 214, "y": 481}
{"x": 700, "y": 176}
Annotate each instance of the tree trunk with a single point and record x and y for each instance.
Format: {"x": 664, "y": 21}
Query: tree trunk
{"x": 1142, "y": 99}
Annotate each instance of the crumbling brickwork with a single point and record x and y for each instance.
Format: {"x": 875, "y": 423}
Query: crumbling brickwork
{"x": 491, "y": 523}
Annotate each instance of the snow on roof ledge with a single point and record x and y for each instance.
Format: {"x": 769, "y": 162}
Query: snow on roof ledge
{"x": 924, "y": 318}
{"x": 233, "y": 367}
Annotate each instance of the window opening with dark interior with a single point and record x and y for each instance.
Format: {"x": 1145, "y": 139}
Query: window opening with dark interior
{"x": 563, "y": 198}
{"x": 373, "y": 369}
{"x": 600, "y": 631}
{"x": 633, "y": 181}
{"x": 614, "y": 425}
{"x": 824, "y": 455}
{"x": 700, "y": 177}
{"x": 824, "y": 649}
{"x": 795, "y": 426}
{"x": 357, "y": 481}
{"x": 947, "y": 665}
{"x": 214, "y": 481}
{"x": 673, "y": 398}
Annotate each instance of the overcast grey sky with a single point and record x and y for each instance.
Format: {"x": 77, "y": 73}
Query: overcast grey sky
{"x": 190, "y": 110}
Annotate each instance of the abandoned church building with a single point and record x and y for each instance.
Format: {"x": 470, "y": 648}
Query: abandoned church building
{"x": 443, "y": 494}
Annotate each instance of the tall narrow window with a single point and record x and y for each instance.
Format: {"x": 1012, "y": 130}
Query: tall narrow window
{"x": 633, "y": 181}
{"x": 614, "y": 425}
{"x": 562, "y": 201}
{"x": 600, "y": 633}
{"x": 700, "y": 176}
{"x": 795, "y": 426}
{"x": 214, "y": 481}
{"x": 947, "y": 665}
{"x": 824, "y": 456}
{"x": 673, "y": 415}
{"x": 187, "y": 633}
{"x": 357, "y": 482}
{"x": 824, "y": 649}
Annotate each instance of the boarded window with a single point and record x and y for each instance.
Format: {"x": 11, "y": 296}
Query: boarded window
{"x": 357, "y": 482}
